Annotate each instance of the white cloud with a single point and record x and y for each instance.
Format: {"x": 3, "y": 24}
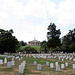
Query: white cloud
{"x": 10, "y": 3}
{"x": 18, "y": 10}
{"x": 13, "y": 15}
{"x": 5, "y": 7}
{"x": 66, "y": 13}
{"x": 4, "y": 15}
{"x": 35, "y": 8}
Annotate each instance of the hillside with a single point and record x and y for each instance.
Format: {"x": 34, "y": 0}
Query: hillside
{"x": 36, "y": 47}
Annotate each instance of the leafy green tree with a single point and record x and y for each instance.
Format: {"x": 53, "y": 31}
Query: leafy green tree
{"x": 57, "y": 49}
{"x": 53, "y": 36}
{"x": 44, "y": 47}
{"x": 68, "y": 42}
{"x": 8, "y": 42}
{"x": 30, "y": 49}
{"x": 23, "y": 43}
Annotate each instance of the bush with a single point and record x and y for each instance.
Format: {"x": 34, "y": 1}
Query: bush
{"x": 30, "y": 49}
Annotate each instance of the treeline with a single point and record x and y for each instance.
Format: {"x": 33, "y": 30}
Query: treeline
{"x": 68, "y": 41}
{"x": 9, "y": 43}
{"x": 56, "y": 44}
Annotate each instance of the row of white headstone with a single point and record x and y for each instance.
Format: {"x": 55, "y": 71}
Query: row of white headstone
{"x": 61, "y": 57}
{"x": 1, "y": 61}
{"x": 10, "y": 63}
{"x": 52, "y": 65}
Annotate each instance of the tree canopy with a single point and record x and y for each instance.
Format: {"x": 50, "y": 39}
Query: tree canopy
{"x": 68, "y": 41}
{"x": 53, "y": 36}
{"x": 44, "y": 47}
{"x": 8, "y": 42}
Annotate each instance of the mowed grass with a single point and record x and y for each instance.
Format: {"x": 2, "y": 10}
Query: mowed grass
{"x": 30, "y": 69}
{"x": 36, "y": 47}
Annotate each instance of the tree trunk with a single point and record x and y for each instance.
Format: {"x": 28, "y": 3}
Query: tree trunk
{"x": 51, "y": 51}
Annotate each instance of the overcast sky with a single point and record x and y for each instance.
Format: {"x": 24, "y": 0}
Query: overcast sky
{"x": 31, "y": 18}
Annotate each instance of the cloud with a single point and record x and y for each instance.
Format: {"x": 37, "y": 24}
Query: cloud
{"x": 14, "y": 14}
{"x": 35, "y": 8}
{"x": 4, "y": 15}
{"x": 66, "y": 13}
{"x": 16, "y": 8}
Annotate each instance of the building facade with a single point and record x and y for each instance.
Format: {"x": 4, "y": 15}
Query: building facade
{"x": 34, "y": 43}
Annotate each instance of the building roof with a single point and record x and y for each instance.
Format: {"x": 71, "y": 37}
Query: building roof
{"x": 34, "y": 40}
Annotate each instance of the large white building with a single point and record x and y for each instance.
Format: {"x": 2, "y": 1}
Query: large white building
{"x": 34, "y": 42}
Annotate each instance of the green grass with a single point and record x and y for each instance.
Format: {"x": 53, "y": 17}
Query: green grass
{"x": 7, "y": 69}
{"x": 31, "y": 69}
{"x": 36, "y": 47}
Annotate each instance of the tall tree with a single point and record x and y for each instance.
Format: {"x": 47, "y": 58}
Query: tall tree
{"x": 53, "y": 36}
{"x": 8, "y": 42}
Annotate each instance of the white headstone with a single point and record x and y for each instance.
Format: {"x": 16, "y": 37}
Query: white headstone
{"x": 13, "y": 59}
{"x": 58, "y": 68}
{"x": 73, "y": 59}
{"x": 59, "y": 58}
{"x": 51, "y": 65}
{"x": 62, "y": 66}
{"x": 62, "y": 59}
{"x": 9, "y": 65}
{"x": 23, "y": 64}
{"x": 70, "y": 58}
{"x": 47, "y": 63}
{"x": 21, "y": 69}
{"x": 1, "y": 62}
{"x": 56, "y": 63}
{"x": 5, "y": 60}
{"x": 34, "y": 62}
{"x": 66, "y": 64}
{"x": 19, "y": 59}
{"x": 39, "y": 67}
{"x": 73, "y": 66}
{"x": 12, "y": 63}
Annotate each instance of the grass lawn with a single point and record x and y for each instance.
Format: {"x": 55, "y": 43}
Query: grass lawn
{"x": 36, "y": 47}
{"x": 30, "y": 69}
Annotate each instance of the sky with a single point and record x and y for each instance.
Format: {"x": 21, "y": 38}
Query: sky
{"x": 30, "y": 19}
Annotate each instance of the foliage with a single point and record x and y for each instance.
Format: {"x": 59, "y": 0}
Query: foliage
{"x": 23, "y": 43}
{"x": 23, "y": 47}
{"x": 30, "y": 49}
{"x": 8, "y": 42}
{"x": 53, "y": 36}
{"x": 68, "y": 42}
{"x": 44, "y": 47}
{"x": 58, "y": 48}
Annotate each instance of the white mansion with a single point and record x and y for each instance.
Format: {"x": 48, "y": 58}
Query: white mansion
{"x": 34, "y": 42}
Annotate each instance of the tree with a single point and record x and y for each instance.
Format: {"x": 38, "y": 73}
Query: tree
{"x": 53, "y": 36}
{"x": 8, "y": 42}
{"x": 44, "y": 46}
{"x": 23, "y": 43}
{"x": 68, "y": 42}
{"x": 30, "y": 49}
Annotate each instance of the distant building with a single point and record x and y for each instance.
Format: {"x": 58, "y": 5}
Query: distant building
{"x": 34, "y": 42}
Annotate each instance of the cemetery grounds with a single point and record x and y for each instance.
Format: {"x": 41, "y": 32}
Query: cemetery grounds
{"x": 30, "y": 69}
